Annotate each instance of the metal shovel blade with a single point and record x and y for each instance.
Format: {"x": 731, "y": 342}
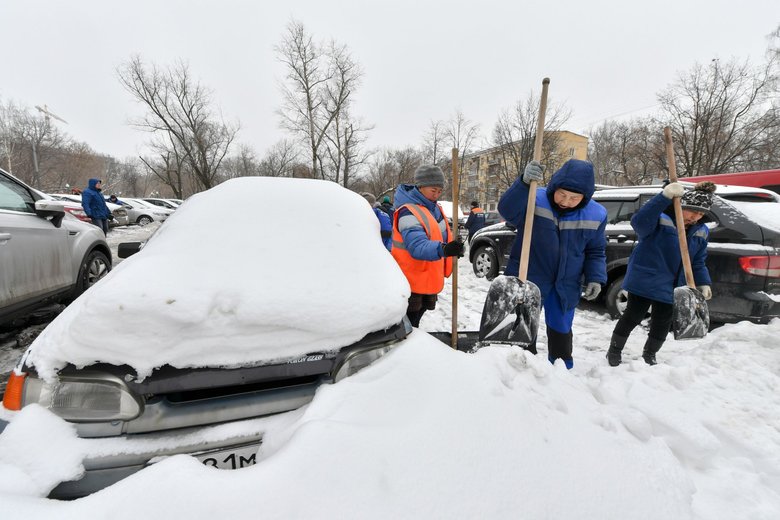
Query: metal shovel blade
{"x": 691, "y": 316}
{"x": 511, "y": 312}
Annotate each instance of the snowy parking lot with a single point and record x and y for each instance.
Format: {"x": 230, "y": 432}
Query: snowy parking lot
{"x": 428, "y": 432}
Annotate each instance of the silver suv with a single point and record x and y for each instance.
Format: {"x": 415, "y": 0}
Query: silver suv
{"x": 46, "y": 255}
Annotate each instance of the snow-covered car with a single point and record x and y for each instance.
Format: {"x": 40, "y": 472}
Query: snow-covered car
{"x": 119, "y": 216}
{"x": 46, "y": 254}
{"x": 189, "y": 341}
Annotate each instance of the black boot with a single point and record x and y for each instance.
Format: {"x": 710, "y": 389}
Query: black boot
{"x": 616, "y": 345}
{"x": 559, "y": 346}
{"x": 652, "y": 346}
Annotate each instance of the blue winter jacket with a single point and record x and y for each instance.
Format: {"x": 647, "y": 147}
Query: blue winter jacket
{"x": 565, "y": 245}
{"x": 415, "y": 240}
{"x": 655, "y": 267}
{"x": 385, "y": 228}
{"x": 93, "y": 202}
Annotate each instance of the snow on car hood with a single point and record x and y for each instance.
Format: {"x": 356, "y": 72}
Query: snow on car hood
{"x": 254, "y": 270}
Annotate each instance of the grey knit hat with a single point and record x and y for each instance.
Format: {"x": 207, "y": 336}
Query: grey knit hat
{"x": 429, "y": 176}
{"x": 699, "y": 198}
{"x": 370, "y": 198}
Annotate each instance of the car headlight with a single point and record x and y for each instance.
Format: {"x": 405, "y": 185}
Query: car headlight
{"x": 360, "y": 359}
{"x": 83, "y": 399}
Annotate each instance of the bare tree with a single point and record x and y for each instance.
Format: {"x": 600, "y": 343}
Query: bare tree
{"x": 389, "y": 168}
{"x": 433, "y": 143}
{"x": 181, "y": 117}
{"x": 625, "y": 153}
{"x": 719, "y": 114}
{"x": 515, "y": 134}
{"x": 279, "y": 160}
{"x": 320, "y": 81}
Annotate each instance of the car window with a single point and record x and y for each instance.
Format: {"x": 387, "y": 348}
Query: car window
{"x": 14, "y": 197}
{"x": 619, "y": 210}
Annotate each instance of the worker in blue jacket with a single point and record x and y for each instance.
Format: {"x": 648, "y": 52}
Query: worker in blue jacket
{"x": 655, "y": 266}
{"x": 95, "y": 205}
{"x": 567, "y": 244}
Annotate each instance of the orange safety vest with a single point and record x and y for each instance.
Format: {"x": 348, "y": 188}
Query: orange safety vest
{"x": 424, "y": 276}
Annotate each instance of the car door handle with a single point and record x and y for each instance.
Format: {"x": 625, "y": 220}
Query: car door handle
{"x": 4, "y": 237}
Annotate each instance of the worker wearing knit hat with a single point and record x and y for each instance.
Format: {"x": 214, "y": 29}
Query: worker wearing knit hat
{"x": 699, "y": 198}
{"x": 429, "y": 176}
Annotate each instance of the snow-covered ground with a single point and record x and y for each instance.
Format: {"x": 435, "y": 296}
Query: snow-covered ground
{"x": 428, "y": 432}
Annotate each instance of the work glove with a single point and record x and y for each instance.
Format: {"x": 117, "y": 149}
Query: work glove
{"x": 705, "y": 291}
{"x": 592, "y": 291}
{"x": 674, "y": 189}
{"x": 533, "y": 172}
{"x": 454, "y": 248}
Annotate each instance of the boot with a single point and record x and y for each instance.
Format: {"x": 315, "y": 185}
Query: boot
{"x": 652, "y": 346}
{"x": 616, "y": 345}
{"x": 559, "y": 346}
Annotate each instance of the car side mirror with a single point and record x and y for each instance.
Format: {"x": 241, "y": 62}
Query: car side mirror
{"x": 127, "y": 249}
{"x": 53, "y": 212}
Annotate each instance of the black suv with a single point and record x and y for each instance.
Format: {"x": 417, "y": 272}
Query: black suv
{"x": 743, "y": 256}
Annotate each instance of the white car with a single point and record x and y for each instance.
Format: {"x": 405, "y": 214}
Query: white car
{"x": 163, "y": 203}
{"x": 143, "y": 213}
{"x": 46, "y": 254}
{"x": 121, "y": 218}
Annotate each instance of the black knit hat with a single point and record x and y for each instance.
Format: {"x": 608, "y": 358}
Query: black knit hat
{"x": 429, "y": 176}
{"x": 700, "y": 197}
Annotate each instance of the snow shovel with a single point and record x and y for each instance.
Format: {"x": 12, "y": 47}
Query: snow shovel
{"x": 512, "y": 306}
{"x": 691, "y": 316}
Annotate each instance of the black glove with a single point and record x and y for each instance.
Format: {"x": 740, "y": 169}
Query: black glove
{"x": 454, "y": 248}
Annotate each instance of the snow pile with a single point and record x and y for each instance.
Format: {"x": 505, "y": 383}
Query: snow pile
{"x": 253, "y": 270}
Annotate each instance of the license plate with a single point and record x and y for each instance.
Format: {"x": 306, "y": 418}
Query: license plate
{"x": 230, "y": 458}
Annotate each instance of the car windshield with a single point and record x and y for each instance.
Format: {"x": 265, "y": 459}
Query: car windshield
{"x": 205, "y": 292}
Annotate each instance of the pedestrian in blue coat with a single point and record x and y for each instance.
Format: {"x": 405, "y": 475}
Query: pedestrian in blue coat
{"x": 567, "y": 244}
{"x": 476, "y": 220}
{"x": 385, "y": 224}
{"x": 655, "y": 266}
{"x": 95, "y": 205}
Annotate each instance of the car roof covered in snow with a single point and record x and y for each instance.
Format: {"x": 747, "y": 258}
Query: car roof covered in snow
{"x": 284, "y": 268}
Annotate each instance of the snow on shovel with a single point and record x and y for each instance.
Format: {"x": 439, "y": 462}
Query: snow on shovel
{"x": 512, "y": 306}
{"x": 691, "y": 316}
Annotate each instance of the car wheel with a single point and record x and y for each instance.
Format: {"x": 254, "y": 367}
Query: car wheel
{"x": 144, "y": 220}
{"x": 616, "y": 298}
{"x": 94, "y": 267}
{"x": 485, "y": 263}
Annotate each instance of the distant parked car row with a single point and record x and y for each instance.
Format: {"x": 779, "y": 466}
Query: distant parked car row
{"x": 743, "y": 252}
{"x": 129, "y": 210}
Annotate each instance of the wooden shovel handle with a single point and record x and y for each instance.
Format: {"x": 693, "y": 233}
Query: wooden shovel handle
{"x": 455, "y": 218}
{"x": 529, "y": 211}
{"x": 678, "y": 216}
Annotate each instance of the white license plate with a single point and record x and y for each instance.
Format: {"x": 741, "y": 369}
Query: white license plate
{"x": 230, "y": 458}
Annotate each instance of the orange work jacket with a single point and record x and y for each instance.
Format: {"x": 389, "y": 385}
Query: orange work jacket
{"x": 424, "y": 276}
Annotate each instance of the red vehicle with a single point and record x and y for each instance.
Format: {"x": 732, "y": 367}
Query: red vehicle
{"x": 766, "y": 179}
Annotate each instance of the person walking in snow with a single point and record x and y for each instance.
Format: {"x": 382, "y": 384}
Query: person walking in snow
{"x": 95, "y": 205}
{"x": 476, "y": 220}
{"x": 567, "y": 243}
{"x": 423, "y": 245}
{"x": 385, "y": 224}
{"x": 655, "y": 266}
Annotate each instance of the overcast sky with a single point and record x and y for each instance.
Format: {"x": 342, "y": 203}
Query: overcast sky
{"x": 422, "y": 59}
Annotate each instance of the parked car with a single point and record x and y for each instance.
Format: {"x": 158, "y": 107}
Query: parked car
{"x": 185, "y": 363}
{"x": 163, "y": 203}
{"x": 143, "y": 213}
{"x": 118, "y": 212}
{"x": 743, "y": 256}
{"x": 47, "y": 255}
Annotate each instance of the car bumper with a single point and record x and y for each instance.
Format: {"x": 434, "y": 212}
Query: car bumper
{"x": 753, "y": 306}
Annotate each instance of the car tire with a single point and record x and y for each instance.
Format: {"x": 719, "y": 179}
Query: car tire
{"x": 485, "y": 263}
{"x": 616, "y": 298}
{"x": 144, "y": 220}
{"x": 93, "y": 268}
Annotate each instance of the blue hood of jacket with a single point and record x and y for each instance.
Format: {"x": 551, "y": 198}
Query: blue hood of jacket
{"x": 93, "y": 183}
{"x": 409, "y": 194}
{"x": 574, "y": 175}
